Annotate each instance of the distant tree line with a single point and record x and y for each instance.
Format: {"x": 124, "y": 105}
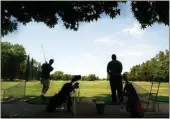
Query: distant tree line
{"x": 155, "y": 69}
{"x": 17, "y": 64}
{"x": 59, "y": 75}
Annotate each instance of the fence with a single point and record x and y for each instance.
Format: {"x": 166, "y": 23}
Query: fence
{"x": 15, "y": 92}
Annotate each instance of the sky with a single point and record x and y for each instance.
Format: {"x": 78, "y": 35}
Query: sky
{"x": 88, "y": 50}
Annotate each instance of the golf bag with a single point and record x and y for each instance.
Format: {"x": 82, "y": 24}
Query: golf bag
{"x": 64, "y": 95}
{"x": 133, "y": 104}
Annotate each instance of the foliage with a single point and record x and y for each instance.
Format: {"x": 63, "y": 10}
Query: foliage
{"x": 27, "y": 68}
{"x": 32, "y": 69}
{"x": 12, "y": 56}
{"x": 38, "y": 71}
{"x": 155, "y": 69}
{"x": 149, "y": 12}
{"x": 73, "y": 13}
{"x": 59, "y": 75}
{"x": 15, "y": 64}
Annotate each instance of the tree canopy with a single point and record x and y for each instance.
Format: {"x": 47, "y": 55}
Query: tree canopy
{"x": 155, "y": 69}
{"x": 59, "y": 75}
{"x": 15, "y": 64}
{"x": 72, "y": 13}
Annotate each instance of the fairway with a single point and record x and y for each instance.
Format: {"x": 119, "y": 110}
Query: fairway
{"x": 87, "y": 88}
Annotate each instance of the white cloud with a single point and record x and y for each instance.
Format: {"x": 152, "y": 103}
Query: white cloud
{"x": 104, "y": 39}
{"x": 113, "y": 39}
{"x": 135, "y": 30}
{"x": 122, "y": 36}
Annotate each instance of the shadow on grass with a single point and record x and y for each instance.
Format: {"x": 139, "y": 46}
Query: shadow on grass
{"x": 102, "y": 97}
{"x": 32, "y": 99}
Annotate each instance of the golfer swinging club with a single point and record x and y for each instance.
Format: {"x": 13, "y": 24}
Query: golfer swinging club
{"x": 45, "y": 76}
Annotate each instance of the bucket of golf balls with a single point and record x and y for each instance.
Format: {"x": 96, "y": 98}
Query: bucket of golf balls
{"x": 100, "y": 105}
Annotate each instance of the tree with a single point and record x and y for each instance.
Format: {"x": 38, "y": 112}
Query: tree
{"x": 91, "y": 77}
{"x": 38, "y": 71}
{"x": 15, "y": 62}
{"x": 27, "y": 69}
{"x": 97, "y": 78}
{"x": 12, "y": 58}
{"x": 155, "y": 69}
{"x": 5, "y": 55}
{"x": 149, "y": 12}
{"x": 83, "y": 78}
{"x": 58, "y": 75}
{"x": 66, "y": 77}
{"x": 31, "y": 68}
{"x": 22, "y": 69}
{"x": 72, "y": 13}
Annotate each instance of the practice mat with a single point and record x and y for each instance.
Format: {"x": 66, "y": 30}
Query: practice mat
{"x": 160, "y": 99}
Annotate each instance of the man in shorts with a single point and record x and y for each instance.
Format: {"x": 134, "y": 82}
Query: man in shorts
{"x": 45, "y": 76}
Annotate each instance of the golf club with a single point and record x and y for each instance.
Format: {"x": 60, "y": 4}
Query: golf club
{"x": 43, "y": 53}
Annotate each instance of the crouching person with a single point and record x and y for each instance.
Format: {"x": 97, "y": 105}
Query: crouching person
{"x": 64, "y": 95}
{"x": 133, "y": 104}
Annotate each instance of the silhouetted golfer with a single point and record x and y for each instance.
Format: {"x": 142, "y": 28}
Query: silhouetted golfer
{"x": 114, "y": 69}
{"x": 45, "y": 76}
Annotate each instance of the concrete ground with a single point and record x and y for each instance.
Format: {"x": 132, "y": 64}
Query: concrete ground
{"x": 85, "y": 109}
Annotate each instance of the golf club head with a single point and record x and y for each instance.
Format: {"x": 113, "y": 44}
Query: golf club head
{"x": 76, "y": 78}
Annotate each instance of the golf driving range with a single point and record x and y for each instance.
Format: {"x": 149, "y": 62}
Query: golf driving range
{"x": 88, "y": 59}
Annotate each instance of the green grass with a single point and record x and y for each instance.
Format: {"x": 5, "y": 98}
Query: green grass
{"x": 163, "y": 90}
{"x": 87, "y": 88}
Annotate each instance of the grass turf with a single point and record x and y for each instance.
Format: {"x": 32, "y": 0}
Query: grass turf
{"x": 96, "y": 89}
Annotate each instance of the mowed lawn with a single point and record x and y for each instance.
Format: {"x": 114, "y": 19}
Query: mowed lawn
{"x": 87, "y": 88}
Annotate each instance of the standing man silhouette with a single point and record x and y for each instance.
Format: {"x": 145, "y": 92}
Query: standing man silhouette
{"x": 114, "y": 70}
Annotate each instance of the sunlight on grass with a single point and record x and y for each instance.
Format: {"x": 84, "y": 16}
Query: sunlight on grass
{"x": 163, "y": 90}
{"x": 87, "y": 88}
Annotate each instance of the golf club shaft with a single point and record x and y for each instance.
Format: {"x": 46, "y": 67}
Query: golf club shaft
{"x": 43, "y": 53}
